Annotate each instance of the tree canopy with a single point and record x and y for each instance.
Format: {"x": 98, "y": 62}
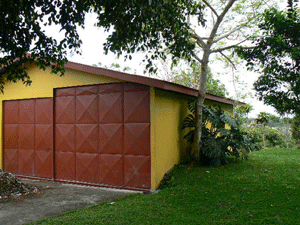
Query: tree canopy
{"x": 276, "y": 55}
{"x": 23, "y": 39}
{"x": 136, "y": 25}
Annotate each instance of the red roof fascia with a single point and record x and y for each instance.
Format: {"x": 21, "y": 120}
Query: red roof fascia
{"x": 165, "y": 85}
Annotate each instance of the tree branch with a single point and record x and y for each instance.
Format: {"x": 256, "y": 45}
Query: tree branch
{"x": 199, "y": 39}
{"x": 230, "y": 61}
{"x": 195, "y": 56}
{"x": 229, "y": 33}
{"x": 211, "y": 8}
{"x": 227, "y": 47}
{"x": 219, "y": 20}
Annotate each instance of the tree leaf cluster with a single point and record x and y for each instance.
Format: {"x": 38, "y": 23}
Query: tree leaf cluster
{"x": 143, "y": 25}
{"x": 276, "y": 55}
{"x": 156, "y": 26}
{"x": 23, "y": 39}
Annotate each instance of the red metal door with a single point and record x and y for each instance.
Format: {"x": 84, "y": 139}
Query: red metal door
{"x": 103, "y": 134}
{"x": 28, "y": 137}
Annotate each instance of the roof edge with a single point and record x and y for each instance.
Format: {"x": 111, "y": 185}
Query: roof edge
{"x": 161, "y": 84}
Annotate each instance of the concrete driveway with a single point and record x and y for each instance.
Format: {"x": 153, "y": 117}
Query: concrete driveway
{"x": 56, "y": 198}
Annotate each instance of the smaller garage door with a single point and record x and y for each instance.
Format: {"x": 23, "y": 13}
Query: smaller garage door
{"x": 28, "y": 137}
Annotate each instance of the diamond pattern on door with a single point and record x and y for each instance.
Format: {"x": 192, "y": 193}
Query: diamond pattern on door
{"x": 137, "y": 108}
{"x": 65, "y": 165}
{"x": 26, "y": 111}
{"x": 137, "y": 139}
{"x": 102, "y": 135}
{"x": 87, "y": 138}
{"x": 28, "y": 129}
{"x": 26, "y": 136}
{"x": 11, "y": 136}
{"x": 44, "y": 137}
{"x": 65, "y": 110}
{"x": 65, "y": 91}
{"x": 110, "y": 88}
{"x": 11, "y": 160}
{"x": 111, "y": 169}
{"x": 44, "y": 163}
{"x": 44, "y": 111}
{"x": 111, "y": 138}
{"x": 111, "y": 108}
{"x": 26, "y": 162}
{"x": 87, "y": 90}
{"x": 87, "y": 109}
{"x": 137, "y": 171}
{"x": 87, "y": 167}
{"x": 65, "y": 137}
{"x": 11, "y": 112}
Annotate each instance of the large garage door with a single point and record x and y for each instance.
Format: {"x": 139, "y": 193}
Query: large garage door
{"x": 102, "y": 134}
{"x": 28, "y": 137}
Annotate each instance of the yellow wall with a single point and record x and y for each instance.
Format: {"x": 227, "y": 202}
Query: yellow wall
{"x": 225, "y": 107}
{"x": 168, "y": 110}
{"x": 42, "y": 86}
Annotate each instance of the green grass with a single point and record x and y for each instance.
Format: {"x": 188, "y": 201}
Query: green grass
{"x": 263, "y": 190}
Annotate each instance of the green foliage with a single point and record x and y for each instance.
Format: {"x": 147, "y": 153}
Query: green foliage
{"x": 296, "y": 129}
{"x": 138, "y": 25}
{"x": 217, "y": 142}
{"x": 263, "y": 118}
{"x": 241, "y": 112}
{"x": 274, "y": 137}
{"x": 21, "y": 32}
{"x": 191, "y": 78}
{"x": 276, "y": 56}
{"x": 144, "y": 26}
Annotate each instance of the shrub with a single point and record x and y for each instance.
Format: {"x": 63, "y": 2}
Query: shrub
{"x": 217, "y": 142}
{"x": 273, "y": 137}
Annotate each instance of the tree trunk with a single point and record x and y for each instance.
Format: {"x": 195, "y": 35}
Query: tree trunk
{"x": 200, "y": 102}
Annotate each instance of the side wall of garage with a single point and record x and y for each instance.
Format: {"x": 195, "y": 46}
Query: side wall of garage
{"x": 43, "y": 83}
{"x": 168, "y": 110}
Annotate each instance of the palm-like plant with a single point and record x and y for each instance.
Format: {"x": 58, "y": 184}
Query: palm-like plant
{"x": 217, "y": 141}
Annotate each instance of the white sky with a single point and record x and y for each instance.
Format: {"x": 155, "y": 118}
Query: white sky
{"x": 92, "y": 53}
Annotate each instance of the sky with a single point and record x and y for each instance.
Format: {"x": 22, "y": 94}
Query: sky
{"x": 92, "y": 54}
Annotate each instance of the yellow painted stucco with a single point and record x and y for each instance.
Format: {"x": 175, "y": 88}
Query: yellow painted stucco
{"x": 43, "y": 83}
{"x": 168, "y": 110}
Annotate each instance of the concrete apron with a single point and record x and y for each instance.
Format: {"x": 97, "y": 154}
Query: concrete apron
{"x": 57, "y": 198}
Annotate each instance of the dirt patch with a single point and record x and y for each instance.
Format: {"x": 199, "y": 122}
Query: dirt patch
{"x": 12, "y": 187}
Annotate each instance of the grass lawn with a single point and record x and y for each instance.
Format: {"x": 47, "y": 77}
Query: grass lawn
{"x": 263, "y": 190}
